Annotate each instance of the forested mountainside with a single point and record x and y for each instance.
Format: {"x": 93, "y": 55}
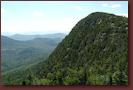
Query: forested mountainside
{"x": 16, "y": 54}
{"x": 94, "y": 53}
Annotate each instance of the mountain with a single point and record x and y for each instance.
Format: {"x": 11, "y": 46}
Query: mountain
{"x": 17, "y": 54}
{"x": 22, "y": 37}
{"x": 94, "y": 53}
{"x": 8, "y": 43}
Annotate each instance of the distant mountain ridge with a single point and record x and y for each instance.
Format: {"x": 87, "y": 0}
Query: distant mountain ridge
{"x": 22, "y": 37}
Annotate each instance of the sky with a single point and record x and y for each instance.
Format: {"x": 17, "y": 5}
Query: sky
{"x": 47, "y": 17}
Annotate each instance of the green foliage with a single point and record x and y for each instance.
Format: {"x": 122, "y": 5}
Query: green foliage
{"x": 71, "y": 80}
{"x": 16, "y": 54}
{"x": 42, "y": 82}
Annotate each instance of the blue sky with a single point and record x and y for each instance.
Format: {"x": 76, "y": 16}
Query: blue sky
{"x": 46, "y": 17}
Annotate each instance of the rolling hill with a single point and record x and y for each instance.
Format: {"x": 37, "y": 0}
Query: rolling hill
{"x": 17, "y": 54}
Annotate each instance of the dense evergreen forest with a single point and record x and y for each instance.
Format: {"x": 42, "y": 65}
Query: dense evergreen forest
{"x": 94, "y": 53}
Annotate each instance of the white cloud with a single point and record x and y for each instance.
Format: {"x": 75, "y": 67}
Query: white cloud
{"x": 126, "y": 15}
{"x": 77, "y": 8}
{"x": 38, "y": 13}
{"x": 115, "y": 6}
{"x": 81, "y": 8}
{"x": 111, "y": 5}
{"x": 105, "y": 5}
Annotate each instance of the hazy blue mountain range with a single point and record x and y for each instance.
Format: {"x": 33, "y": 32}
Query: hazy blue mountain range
{"x": 22, "y": 37}
{"x": 17, "y": 53}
